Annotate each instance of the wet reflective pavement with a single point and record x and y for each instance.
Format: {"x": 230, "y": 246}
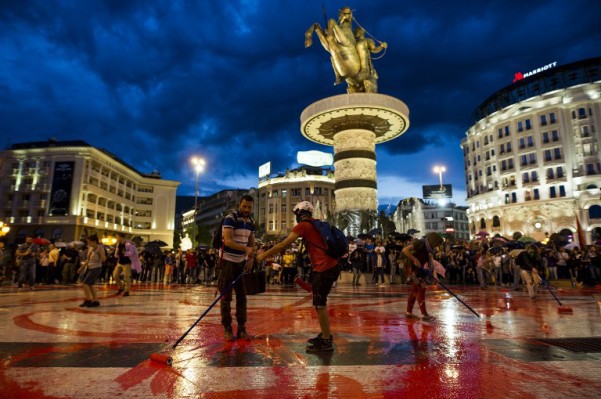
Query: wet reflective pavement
{"x": 52, "y": 348}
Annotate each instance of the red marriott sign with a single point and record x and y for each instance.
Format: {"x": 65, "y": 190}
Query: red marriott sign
{"x": 519, "y": 76}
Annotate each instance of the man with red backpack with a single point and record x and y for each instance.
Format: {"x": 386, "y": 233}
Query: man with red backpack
{"x": 325, "y": 270}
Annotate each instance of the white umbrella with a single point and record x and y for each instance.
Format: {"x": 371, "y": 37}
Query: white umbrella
{"x": 571, "y": 246}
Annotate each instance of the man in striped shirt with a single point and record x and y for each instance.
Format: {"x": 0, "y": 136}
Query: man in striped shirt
{"x": 239, "y": 245}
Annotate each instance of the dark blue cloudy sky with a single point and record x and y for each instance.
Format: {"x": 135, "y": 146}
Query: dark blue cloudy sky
{"x": 156, "y": 82}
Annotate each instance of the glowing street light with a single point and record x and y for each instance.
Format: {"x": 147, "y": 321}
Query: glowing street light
{"x": 440, "y": 170}
{"x": 4, "y": 229}
{"x": 199, "y": 165}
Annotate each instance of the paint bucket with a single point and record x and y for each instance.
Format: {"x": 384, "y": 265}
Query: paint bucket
{"x": 163, "y": 359}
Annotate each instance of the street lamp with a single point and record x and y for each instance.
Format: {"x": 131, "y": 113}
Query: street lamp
{"x": 440, "y": 170}
{"x": 4, "y": 229}
{"x": 199, "y": 165}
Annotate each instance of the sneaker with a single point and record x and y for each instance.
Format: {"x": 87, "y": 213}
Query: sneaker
{"x": 320, "y": 345}
{"x": 410, "y": 315}
{"x": 120, "y": 291}
{"x": 229, "y": 334}
{"x": 241, "y": 333}
{"x": 126, "y": 293}
{"x": 85, "y": 304}
{"x": 428, "y": 318}
{"x": 317, "y": 338}
{"x": 94, "y": 304}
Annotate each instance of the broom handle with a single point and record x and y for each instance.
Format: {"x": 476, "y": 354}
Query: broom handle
{"x": 225, "y": 290}
{"x": 546, "y": 284}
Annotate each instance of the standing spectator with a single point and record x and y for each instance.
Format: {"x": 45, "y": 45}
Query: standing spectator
{"x": 356, "y": 264}
{"x": 169, "y": 264}
{"x": 288, "y": 271}
{"x": 92, "y": 267}
{"x": 26, "y": 259}
{"x": 562, "y": 263}
{"x": 191, "y": 266}
{"x": 179, "y": 267}
{"x": 43, "y": 263}
{"x": 53, "y": 265}
{"x": 380, "y": 265}
{"x": 369, "y": 248}
{"x": 595, "y": 265}
{"x": 127, "y": 259}
{"x": 528, "y": 264}
{"x": 498, "y": 271}
{"x": 238, "y": 245}
{"x": 70, "y": 259}
{"x": 324, "y": 275}
{"x": 420, "y": 253}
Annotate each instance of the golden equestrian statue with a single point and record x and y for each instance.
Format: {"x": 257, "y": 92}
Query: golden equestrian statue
{"x": 350, "y": 52}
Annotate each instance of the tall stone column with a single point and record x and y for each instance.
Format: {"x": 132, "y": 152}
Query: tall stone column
{"x": 353, "y": 124}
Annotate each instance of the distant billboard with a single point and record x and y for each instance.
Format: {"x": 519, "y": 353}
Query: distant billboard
{"x": 265, "y": 169}
{"x": 435, "y": 192}
{"x": 314, "y": 158}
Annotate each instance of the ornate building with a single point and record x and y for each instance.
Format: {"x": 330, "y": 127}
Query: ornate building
{"x": 532, "y": 162}
{"x": 279, "y": 193}
{"x": 66, "y": 190}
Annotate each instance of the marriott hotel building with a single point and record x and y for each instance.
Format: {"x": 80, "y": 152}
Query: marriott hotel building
{"x": 532, "y": 161}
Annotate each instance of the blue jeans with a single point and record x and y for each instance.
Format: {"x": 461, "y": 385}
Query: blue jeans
{"x": 27, "y": 272}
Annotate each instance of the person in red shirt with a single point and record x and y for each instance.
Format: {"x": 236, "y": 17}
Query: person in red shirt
{"x": 325, "y": 271}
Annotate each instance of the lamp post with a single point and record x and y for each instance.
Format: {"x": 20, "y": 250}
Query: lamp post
{"x": 440, "y": 170}
{"x": 4, "y": 229}
{"x": 199, "y": 165}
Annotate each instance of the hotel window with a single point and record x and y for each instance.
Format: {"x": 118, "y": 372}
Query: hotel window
{"x": 523, "y": 160}
{"x": 557, "y": 153}
{"x": 283, "y": 208}
{"x": 284, "y": 193}
{"x": 590, "y": 169}
{"x": 585, "y": 131}
{"x": 543, "y": 120}
{"x": 271, "y": 227}
{"x": 508, "y": 147}
{"x": 274, "y": 193}
{"x": 581, "y": 113}
{"x": 528, "y": 124}
{"x": 507, "y": 198}
{"x": 545, "y": 137}
{"x": 530, "y": 141}
{"x": 532, "y": 158}
{"x": 547, "y": 155}
{"x": 534, "y": 176}
{"x": 552, "y": 192}
{"x": 510, "y": 163}
{"x": 527, "y": 195}
{"x": 552, "y": 118}
{"x": 317, "y": 191}
{"x": 522, "y": 143}
{"x": 296, "y": 192}
{"x": 307, "y": 191}
{"x": 562, "y": 191}
{"x": 270, "y": 208}
{"x": 507, "y": 131}
{"x": 536, "y": 194}
{"x": 514, "y": 198}
{"x": 559, "y": 172}
{"x": 555, "y": 135}
{"x": 500, "y": 133}
{"x": 526, "y": 178}
{"x": 520, "y": 126}
{"x": 487, "y": 157}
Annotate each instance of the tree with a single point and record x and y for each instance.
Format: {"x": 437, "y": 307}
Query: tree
{"x": 177, "y": 239}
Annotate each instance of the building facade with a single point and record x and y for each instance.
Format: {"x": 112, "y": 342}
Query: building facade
{"x": 532, "y": 162}
{"x": 67, "y": 190}
{"x": 279, "y": 193}
{"x": 415, "y": 214}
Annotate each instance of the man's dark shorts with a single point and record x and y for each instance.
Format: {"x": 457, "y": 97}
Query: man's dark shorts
{"x": 322, "y": 282}
{"x": 91, "y": 276}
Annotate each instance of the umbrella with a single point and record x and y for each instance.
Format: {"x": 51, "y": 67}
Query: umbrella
{"x": 495, "y": 250}
{"x": 41, "y": 241}
{"x": 77, "y": 243}
{"x": 60, "y": 244}
{"x": 516, "y": 252}
{"x": 515, "y": 245}
{"x": 571, "y": 246}
{"x": 156, "y": 243}
{"x": 499, "y": 239}
{"x": 412, "y": 231}
{"x": 400, "y": 236}
{"x": 526, "y": 239}
{"x": 375, "y": 232}
{"x": 482, "y": 234}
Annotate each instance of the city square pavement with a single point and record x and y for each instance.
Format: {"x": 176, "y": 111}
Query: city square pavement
{"x": 519, "y": 347}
